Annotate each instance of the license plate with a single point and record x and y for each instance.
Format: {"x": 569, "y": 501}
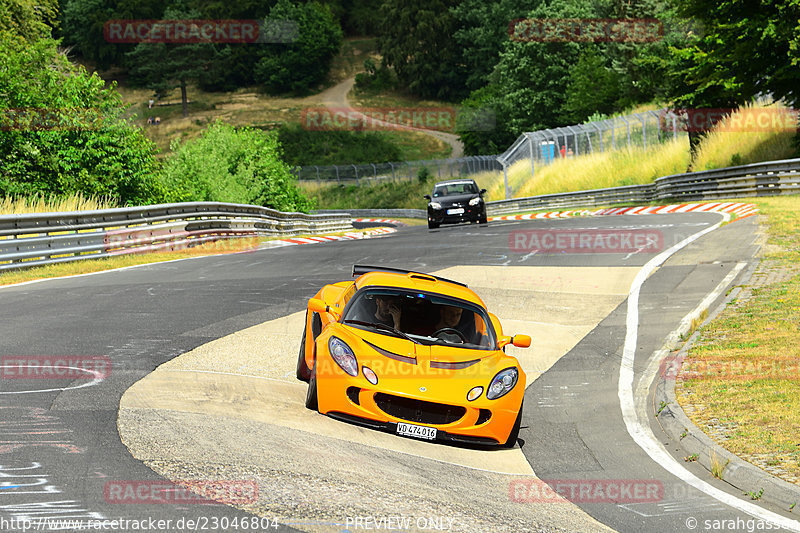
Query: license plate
{"x": 458, "y": 211}
{"x": 420, "y": 432}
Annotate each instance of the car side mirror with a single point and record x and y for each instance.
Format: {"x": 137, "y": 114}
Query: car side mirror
{"x": 427, "y": 197}
{"x": 483, "y": 191}
{"x": 521, "y": 341}
{"x": 318, "y": 306}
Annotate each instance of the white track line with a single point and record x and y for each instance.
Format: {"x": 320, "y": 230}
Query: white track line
{"x": 638, "y": 428}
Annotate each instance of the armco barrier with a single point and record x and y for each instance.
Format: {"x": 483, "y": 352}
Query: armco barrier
{"x": 377, "y": 213}
{"x": 759, "y": 179}
{"x": 45, "y": 238}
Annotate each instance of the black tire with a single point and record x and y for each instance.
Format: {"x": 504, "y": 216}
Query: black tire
{"x": 512, "y": 437}
{"x": 432, "y": 225}
{"x": 303, "y": 372}
{"x": 311, "y": 395}
{"x": 483, "y": 220}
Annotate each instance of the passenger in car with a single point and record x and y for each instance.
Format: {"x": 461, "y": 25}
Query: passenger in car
{"x": 388, "y": 311}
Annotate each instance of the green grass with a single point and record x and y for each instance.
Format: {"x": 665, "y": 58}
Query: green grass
{"x": 744, "y": 371}
{"x": 402, "y": 194}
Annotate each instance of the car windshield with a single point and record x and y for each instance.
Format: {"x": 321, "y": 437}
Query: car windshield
{"x": 462, "y": 187}
{"x": 423, "y": 317}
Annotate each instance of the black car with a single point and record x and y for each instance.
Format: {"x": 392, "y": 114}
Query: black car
{"x": 456, "y": 201}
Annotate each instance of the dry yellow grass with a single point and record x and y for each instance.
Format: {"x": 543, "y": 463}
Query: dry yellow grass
{"x": 736, "y": 141}
{"x": 595, "y": 171}
{"x": 38, "y": 204}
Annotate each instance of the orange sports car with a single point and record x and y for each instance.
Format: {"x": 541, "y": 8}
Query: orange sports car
{"x": 414, "y": 354}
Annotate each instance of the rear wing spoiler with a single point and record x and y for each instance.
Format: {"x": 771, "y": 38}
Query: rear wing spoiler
{"x": 363, "y": 269}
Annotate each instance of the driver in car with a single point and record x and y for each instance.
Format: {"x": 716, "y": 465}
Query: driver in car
{"x": 449, "y": 318}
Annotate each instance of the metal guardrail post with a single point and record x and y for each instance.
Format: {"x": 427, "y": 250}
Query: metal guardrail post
{"x": 530, "y": 148}
{"x": 392, "y": 165}
{"x": 374, "y": 171}
{"x": 318, "y": 182}
{"x": 675, "y": 126}
{"x": 628, "y": 124}
{"x": 600, "y": 135}
{"x": 356, "y": 169}
{"x": 505, "y": 181}
{"x": 339, "y": 181}
{"x": 644, "y": 131}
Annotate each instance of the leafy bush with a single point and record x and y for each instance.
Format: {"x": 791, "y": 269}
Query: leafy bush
{"x": 232, "y": 165}
{"x": 306, "y": 147}
{"x": 376, "y": 78}
{"x": 423, "y": 174}
{"x": 65, "y": 132}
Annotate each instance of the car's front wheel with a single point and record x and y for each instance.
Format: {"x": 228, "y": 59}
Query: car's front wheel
{"x": 432, "y": 225}
{"x": 303, "y": 372}
{"x": 512, "y": 437}
{"x": 311, "y": 394}
{"x": 483, "y": 220}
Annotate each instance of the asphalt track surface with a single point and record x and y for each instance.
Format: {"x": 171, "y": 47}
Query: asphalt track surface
{"x": 59, "y": 449}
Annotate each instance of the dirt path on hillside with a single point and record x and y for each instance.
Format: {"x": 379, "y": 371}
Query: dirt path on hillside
{"x": 336, "y": 96}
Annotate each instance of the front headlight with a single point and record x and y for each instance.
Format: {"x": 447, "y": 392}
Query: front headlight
{"x": 436, "y": 205}
{"x": 343, "y": 356}
{"x": 502, "y": 383}
{"x": 475, "y": 201}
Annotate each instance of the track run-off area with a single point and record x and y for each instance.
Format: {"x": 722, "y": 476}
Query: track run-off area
{"x": 197, "y": 386}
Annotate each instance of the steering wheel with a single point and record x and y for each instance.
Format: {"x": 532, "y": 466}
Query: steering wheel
{"x": 451, "y": 330}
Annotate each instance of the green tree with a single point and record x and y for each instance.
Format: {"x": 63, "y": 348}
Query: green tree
{"x": 29, "y": 19}
{"x": 482, "y": 27}
{"x": 592, "y": 87}
{"x": 301, "y": 65}
{"x": 165, "y": 66}
{"x": 417, "y": 41}
{"x": 62, "y": 131}
{"x": 226, "y": 164}
{"x": 747, "y": 50}
{"x": 83, "y": 23}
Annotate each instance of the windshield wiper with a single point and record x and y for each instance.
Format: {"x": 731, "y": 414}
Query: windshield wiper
{"x": 379, "y": 325}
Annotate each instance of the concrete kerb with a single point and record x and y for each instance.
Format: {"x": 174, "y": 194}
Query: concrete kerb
{"x": 737, "y": 472}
